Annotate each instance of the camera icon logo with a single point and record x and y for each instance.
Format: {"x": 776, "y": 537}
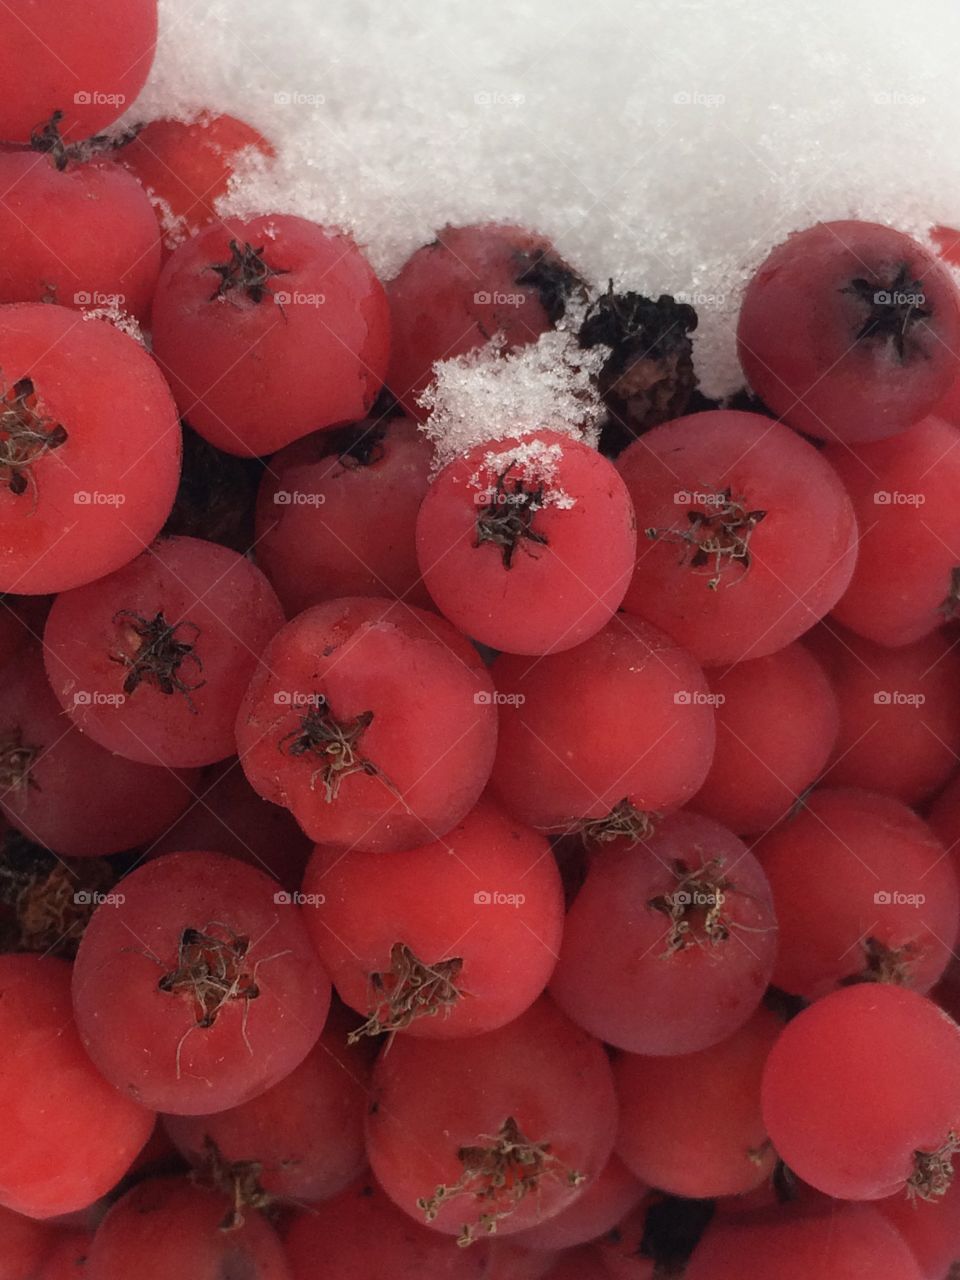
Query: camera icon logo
{"x": 282, "y": 99}
{"x": 83, "y": 98}
{"x": 682, "y": 698}
{"x": 482, "y": 898}
{"x": 882, "y": 698}
{"x": 683, "y": 898}
{"x": 282, "y": 898}
{"x": 882, "y": 898}
{"x": 483, "y": 698}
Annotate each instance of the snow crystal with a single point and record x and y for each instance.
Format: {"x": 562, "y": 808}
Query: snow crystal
{"x": 532, "y": 463}
{"x": 666, "y": 143}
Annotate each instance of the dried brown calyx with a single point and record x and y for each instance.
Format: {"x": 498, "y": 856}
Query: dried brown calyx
{"x": 950, "y": 605}
{"x": 885, "y": 964}
{"x": 239, "y": 1180}
{"x": 715, "y": 536}
{"x": 27, "y": 434}
{"x": 52, "y": 898}
{"x": 17, "y": 759}
{"x": 623, "y": 822}
{"x": 648, "y": 377}
{"x": 156, "y": 652}
{"x": 409, "y": 989}
{"x": 498, "y": 1173}
{"x": 335, "y": 743}
{"x": 506, "y": 520}
{"x": 933, "y": 1171}
{"x": 890, "y": 309}
{"x": 695, "y": 906}
{"x": 46, "y": 138}
{"x": 245, "y": 272}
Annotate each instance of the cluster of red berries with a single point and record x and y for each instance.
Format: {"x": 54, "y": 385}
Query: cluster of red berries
{"x": 546, "y": 849}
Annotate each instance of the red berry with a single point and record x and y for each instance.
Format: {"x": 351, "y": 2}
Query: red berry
{"x": 372, "y": 722}
{"x": 337, "y": 515}
{"x": 688, "y": 940}
{"x": 69, "y": 1136}
{"x": 528, "y": 545}
{"x": 930, "y": 1228}
{"x": 492, "y": 1133}
{"x": 904, "y": 493}
{"x": 454, "y": 938}
{"x": 748, "y": 537}
{"x": 614, "y": 1193}
{"x": 83, "y": 236}
{"x": 88, "y": 61}
{"x": 863, "y": 891}
{"x": 153, "y": 660}
{"x": 198, "y": 988}
{"x": 595, "y": 736}
{"x": 849, "y": 331}
{"x": 166, "y": 1229}
{"x": 470, "y": 283}
{"x": 268, "y": 329}
{"x": 68, "y": 1260}
{"x": 90, "y": 455}
{"x": 765, "y": 759}
{"x": 185, "y": 167}
{"x": 861, "y": 1094}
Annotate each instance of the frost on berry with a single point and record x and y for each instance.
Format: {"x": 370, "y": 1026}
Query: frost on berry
{"x": 17, "y": 759}
{"x": 507, "y": 520}
{"x": 238, "y": 1180}
{"x": 623, "y": 822}
{"x": 932, "y": 1174}
{"x": 696, "y": 907}
{"x": 499, "y": 1172}
{"x": 715, "y": 536}
{"x": 211, "y": 970}
{"x": 890, "y": 310}
{"x": 156, "y": 652}
{"x": 245, "y": 272}
{"x": 27, "y": 434}
{"x": 335, "y": 743}
{"x": 950, "y": 605}
{"x": 648, "y": 376}
{"x": 409, "y": 989}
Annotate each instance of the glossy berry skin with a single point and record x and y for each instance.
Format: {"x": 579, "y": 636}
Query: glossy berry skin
{"x": 185, "y": 166}
{"x": 862, "y": 889}
{"x": 674, "y": 974}
{"x": 373, "y": 723}
{"x": 691, "y": 1125}
{"x": 87, "y": 505}
{"x": 455, "y": 293}
{"x": 540, "y": 1072}
{"x": 89, "y": 63}
{"x": 145, "y": 1015}
{"x": 763, "y": 762}
{"x": 904, "y": 696}
{"x": 306, "y": 1132}
{"x": 624, "y": 716}
{"x": 849, "y": 1243}
{"x": 903, "y": 493}
{"x": 166, "y": 1227}
{"x": 64, "y": 791}
{"x": 780, "y": 524}
{"x": 337, "y": 516}
{"x": 858, "y": 1084}
{"x": 111, "y": 257}
{"x": 555, "y": 583}
{"x": 303, "y": 345}
{"x": 849, "y": 330}
{"x": 114, "y": 651}
{"x": 494, "y": 909}
{"x": 362, "y": 1235}
{"x": 69, "y": 1136}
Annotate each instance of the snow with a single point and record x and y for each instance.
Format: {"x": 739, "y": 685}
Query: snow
{"x": 665, "y": 143}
